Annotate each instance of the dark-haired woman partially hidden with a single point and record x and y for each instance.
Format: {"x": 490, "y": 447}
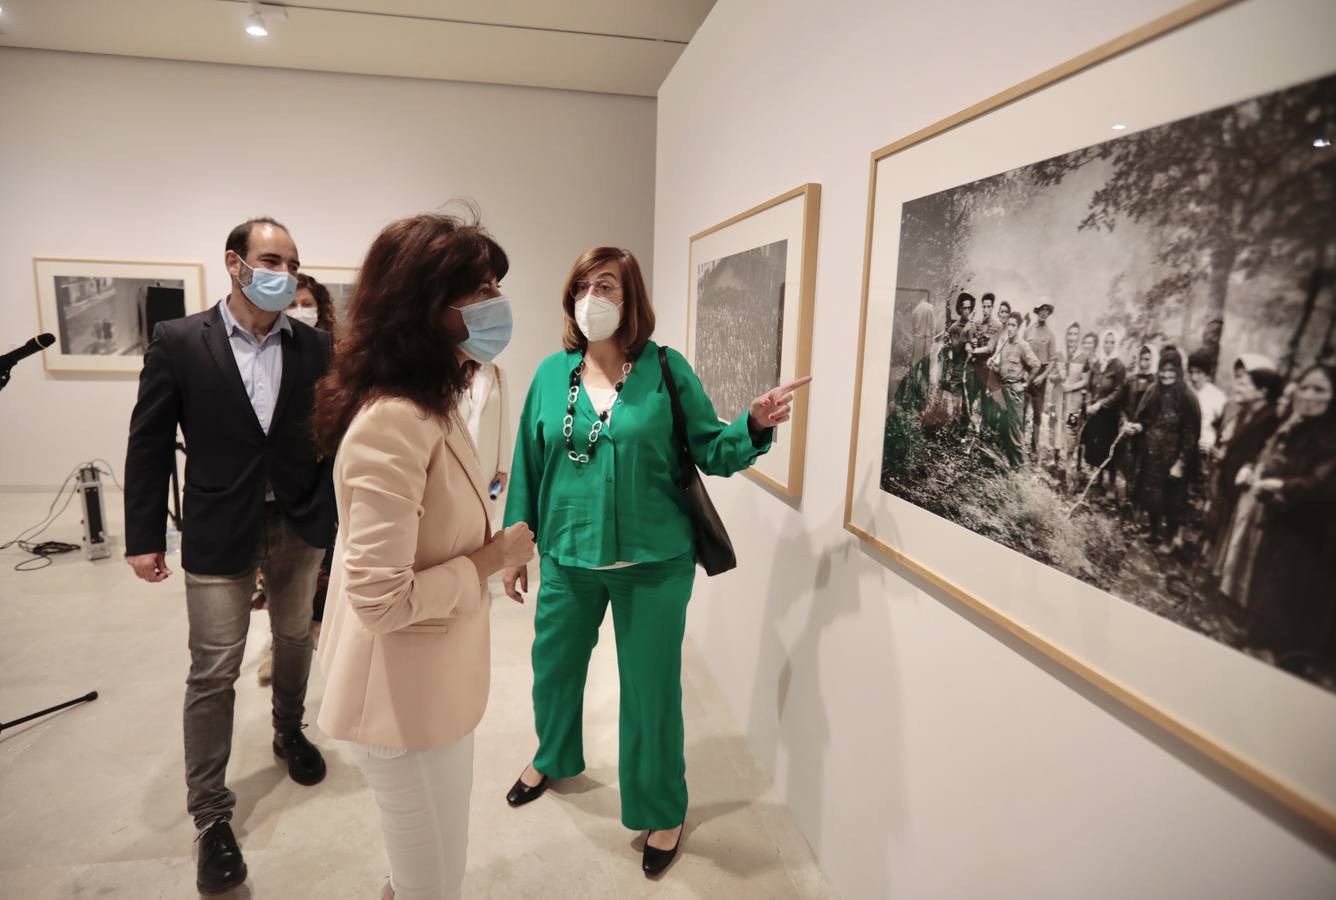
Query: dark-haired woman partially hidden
{"x": 1283, "y": 555}
{"x": 595, "y": 477}
{"x": 406, "y": 653}
{"x": 312, "y": 306}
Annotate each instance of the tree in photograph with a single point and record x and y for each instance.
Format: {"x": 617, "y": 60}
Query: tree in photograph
{"x": 1233, "y": 190}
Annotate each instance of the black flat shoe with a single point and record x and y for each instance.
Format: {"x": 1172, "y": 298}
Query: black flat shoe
{"x": 521, "y": 793}
{"x": 220, "y": 867}
{"x": 657, "y": 860}
{"x": 305, "y": 764}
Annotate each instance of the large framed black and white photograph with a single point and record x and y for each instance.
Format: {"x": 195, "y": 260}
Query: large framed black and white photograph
{"x": 749, "y": 318}
{"x": 1096, "y": 377}
{"x": 103, "y": 312}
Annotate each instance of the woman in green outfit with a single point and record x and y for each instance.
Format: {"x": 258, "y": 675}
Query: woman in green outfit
{"x": 594, "y": 477}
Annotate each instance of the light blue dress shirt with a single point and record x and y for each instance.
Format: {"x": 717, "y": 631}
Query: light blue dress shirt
{"x": 260, "y": 362}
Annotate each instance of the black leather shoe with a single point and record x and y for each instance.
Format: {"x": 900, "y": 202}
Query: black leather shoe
{"x": 220, "y": 866}
{"x": 521, "y": 793}
{"x": 657, "y": 860}
{"x": 305, "y": 764}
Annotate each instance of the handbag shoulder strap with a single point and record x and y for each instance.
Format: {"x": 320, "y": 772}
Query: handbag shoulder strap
{"x": 679, "y": 419}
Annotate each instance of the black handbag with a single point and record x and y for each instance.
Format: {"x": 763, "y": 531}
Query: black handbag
{"x": 714, "y": 551}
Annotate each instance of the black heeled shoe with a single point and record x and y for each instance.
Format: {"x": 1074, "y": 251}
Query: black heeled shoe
{"x": 522, "y": 793}
{"x": 656, "y": 860}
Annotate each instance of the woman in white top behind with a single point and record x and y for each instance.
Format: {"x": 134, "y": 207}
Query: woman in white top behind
{"x": 485, "y": 408}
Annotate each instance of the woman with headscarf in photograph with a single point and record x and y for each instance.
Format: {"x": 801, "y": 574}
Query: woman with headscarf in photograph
{"x": 1128, "y": 454}
{"x": 1168, "y": 421}
{"x": 1077, "y": 393}
{"x": 1283, "y": 558}
{"x": 1107, "y": 374}
{"x": 1249, "y": 422}
{"x": 1067, "y": 387}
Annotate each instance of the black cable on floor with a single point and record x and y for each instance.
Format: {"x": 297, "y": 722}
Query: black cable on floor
{"x": 43, "y": 551}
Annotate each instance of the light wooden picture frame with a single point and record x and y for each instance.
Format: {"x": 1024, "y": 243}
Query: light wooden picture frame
{"x": 750, "y": 302}
{"x": 1273, "y": 729}
{"x": 102, "y": 312}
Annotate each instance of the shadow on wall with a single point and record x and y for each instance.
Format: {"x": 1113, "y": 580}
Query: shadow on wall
{"x": 795, "y": 718}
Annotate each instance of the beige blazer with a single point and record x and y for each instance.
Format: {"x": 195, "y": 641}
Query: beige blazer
{"x": 406, "y": 641}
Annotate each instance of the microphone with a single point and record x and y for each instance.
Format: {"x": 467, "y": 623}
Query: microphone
{"x": 44, "y": 340}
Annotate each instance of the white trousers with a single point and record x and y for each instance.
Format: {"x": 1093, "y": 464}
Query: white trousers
{"x": 423, "y": 797}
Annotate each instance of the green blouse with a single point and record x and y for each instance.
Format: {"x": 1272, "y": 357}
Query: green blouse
{"x": 624, "y": 505}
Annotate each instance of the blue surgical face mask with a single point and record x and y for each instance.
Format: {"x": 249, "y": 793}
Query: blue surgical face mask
{"x": 489, "y": 323}
{"x": 271, "y": 291}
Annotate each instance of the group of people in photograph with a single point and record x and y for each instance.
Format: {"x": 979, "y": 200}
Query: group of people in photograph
{"x": 360, "y": 447}
{"x": 1235, "y": 483}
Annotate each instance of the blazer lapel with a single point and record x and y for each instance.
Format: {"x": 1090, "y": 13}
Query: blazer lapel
{"x": 215, "y": 338}
{"x": 292, "y": 360}
{"x": 461, "y": 445}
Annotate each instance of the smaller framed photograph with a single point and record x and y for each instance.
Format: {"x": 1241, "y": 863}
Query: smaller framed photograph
{"x": 339, "y": 280}
{"x": 103, "y": 312}
{"x": 749, "y": 318}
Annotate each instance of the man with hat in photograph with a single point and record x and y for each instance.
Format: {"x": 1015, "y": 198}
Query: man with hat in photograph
{"x": 959, "y": 334}
{"x": 1045, "y": 346}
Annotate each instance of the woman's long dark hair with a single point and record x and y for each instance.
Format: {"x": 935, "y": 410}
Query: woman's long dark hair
{"x": 396, "y": 342}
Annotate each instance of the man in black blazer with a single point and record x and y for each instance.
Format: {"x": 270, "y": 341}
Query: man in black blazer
{"x": 239, "y": 380}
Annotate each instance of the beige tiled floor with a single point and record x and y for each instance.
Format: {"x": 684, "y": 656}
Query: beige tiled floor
{"x": 91, "y": 799}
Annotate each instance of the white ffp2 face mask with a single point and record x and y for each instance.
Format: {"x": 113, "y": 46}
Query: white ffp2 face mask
{"x": 307, "y": 315}
{"x": 597, "y": 318}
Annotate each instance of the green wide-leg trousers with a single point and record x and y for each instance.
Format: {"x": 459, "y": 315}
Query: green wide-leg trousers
{"x": 649, "y": 609}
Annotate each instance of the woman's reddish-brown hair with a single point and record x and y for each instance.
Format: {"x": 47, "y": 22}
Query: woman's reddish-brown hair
{"x": 637, "y": 313}
{"x": 395, "y": 342}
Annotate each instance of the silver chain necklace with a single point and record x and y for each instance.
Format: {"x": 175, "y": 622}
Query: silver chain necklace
{"x": 568, "y": 424}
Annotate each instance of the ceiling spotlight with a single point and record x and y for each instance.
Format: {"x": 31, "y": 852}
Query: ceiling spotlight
{"x": 255, "y": 24}
{"x": 1321, "y": 143}
{"x": 1120, "y": 127}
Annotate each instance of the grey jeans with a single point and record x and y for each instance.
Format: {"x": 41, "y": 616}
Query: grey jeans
{"x": 219, "y": 609}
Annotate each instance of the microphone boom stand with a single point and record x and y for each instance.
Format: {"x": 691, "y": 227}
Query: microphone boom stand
{"x": 86, "y": 698}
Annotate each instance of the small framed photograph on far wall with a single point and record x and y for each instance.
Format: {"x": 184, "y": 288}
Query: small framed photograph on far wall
{"x": 102, "y": 312}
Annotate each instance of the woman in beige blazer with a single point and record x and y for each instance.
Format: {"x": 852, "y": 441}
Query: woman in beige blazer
{"x": 405, "y": 650}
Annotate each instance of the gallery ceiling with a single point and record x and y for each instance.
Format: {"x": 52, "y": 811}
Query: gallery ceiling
{"x": 606, "y": 46}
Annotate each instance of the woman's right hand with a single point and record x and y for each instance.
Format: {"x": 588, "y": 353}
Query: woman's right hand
{"x": 507, "y": 549}
{"x": 515, "y": 545}
{"x": 511, "y": 577}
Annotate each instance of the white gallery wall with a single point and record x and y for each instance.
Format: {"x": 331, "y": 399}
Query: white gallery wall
{"x": 130, "y": 159}
{"x": 924, "y": 752}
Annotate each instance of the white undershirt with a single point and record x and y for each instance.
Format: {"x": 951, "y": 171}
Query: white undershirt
{"x": 599, "y": 398}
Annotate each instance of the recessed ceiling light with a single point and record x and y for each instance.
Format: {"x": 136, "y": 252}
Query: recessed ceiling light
{"x": 1321, "y": 143}
{"x": 255, "y": 25}
{"x": 1120, "y": 127}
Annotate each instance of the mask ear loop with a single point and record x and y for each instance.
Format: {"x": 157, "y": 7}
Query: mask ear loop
{"x": 248, "y": 266}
